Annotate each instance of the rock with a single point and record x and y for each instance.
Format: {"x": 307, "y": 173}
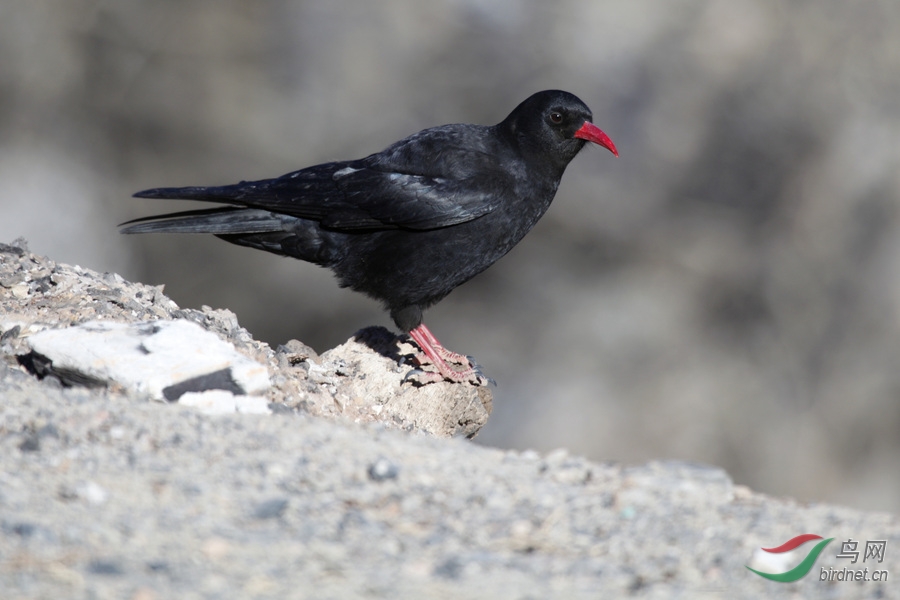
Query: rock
{"x": 210, "y": 402}
{"x": 382, "y": 469}
{"x": 374, "y": 363}
{"x": 252, "y": 405}
{"x": 270, "y": 509}
{"x": 94, "y": 330}
{"x": 222, "y": 402}
{"x": 163, "y": 359}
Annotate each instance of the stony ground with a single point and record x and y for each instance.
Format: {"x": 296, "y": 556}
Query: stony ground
{"x": 363, "y": 380}
{"x": 105, "y": 494}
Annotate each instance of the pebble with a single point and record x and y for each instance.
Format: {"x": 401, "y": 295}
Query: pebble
{"x": 270, "y": 509}
{"x": 383, "y": 469}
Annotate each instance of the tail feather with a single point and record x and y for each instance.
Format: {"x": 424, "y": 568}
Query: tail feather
{"x": 232, "y": 194}
{"x": 218, "y": 221}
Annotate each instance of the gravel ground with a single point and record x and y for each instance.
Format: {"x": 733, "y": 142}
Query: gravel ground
{"x": 104, "y": 494}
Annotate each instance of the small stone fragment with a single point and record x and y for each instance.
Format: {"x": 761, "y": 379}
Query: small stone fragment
{"x": 270, "y": 509}
{"x": 383, "y": 469}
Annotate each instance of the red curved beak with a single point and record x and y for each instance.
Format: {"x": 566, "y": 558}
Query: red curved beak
{"x": 592, "y": 133}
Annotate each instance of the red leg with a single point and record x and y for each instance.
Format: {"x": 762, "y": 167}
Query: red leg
{"x": 455, "y": 357}
{"x": 438, "y": 356}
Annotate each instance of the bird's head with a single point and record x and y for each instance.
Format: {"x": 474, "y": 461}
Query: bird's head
{"x": 555, "y": 125}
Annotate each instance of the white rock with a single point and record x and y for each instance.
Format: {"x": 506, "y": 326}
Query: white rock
{"x": 255, "y": 405}
{"x": 149, "y": 357}
{"x": 210, "y": 402}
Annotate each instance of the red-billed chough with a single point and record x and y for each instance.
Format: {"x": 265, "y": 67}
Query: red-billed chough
{"x": 410, "y": 223}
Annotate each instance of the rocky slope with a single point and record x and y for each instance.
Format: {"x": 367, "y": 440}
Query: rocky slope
{"x": 340, "y": 486}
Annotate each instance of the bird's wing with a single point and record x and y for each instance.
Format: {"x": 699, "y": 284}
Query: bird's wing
{"x": 438, "y": 177}
{"x": 427, "y": 181}
{"x": 375, "y": 198}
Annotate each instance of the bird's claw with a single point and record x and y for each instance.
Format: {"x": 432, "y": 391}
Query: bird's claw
{"x": 478, "y": 376}
{"x": 422, "y": 377}
{"x": 472, "y": 375}
{"x": 483, "y": 379}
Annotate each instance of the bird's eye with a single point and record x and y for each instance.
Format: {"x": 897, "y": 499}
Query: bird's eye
{"x": 556, "y": 117}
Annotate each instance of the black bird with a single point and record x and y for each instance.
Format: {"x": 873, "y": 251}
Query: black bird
{"x": 410, "y": 223}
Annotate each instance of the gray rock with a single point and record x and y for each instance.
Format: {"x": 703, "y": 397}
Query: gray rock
{"x": 383, "y": 469}
{"x": 373, "y": 364}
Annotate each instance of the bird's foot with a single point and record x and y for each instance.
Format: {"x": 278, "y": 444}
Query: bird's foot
{"x": 429, "y": 372}
{"x": 435, "y": 360}
{"x": 454, "y": 357}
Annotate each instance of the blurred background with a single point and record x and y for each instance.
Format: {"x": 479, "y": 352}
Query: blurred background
{"x": 727, "y": 292}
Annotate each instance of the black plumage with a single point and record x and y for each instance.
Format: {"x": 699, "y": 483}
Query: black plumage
{"x": 408, "y": 224}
